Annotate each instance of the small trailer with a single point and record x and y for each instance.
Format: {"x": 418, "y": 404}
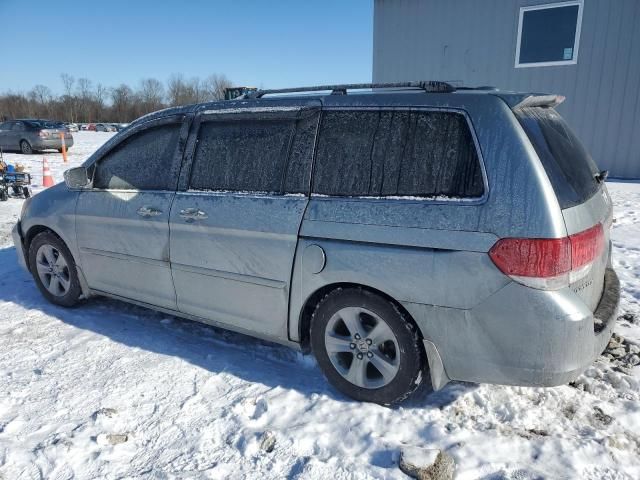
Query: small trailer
{"x": 13, "y": 182}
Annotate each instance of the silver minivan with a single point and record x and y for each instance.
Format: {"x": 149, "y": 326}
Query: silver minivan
{"x": 400, "y": 232}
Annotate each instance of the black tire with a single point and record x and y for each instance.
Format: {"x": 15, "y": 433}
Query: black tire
{"x": 72, "y": 296}
{"x": 25, "y": 147}
{"x": 412, "y": 359}
{"x": 26, "y": 192}
{"x": 4, "y": 196}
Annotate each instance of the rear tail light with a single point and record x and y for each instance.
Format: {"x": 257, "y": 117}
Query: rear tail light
{"x": 549, "y": 263}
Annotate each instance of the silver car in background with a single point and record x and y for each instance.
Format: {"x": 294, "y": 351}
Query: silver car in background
{"x": 105, "y": 127}
{"x": 407, "y": 232}
{"x": 31, "y": 135}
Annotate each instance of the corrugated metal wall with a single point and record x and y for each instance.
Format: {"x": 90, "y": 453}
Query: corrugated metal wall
{"x": 474, "y": 41}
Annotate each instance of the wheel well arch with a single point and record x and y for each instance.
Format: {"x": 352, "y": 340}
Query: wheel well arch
{"x": 310, "y": 304}
{"x": 35, "y": 230}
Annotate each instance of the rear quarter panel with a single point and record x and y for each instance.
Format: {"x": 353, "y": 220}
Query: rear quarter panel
{"x": 427, "y": 252}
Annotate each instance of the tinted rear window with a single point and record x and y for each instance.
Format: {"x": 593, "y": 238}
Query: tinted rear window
{"x": 569, "y": 166}
{"x": 245, "y": 156}
{"x": 397, "y": 153}
{"x": 37, "y": 124}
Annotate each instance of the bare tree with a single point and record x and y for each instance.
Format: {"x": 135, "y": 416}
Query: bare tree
{"x": 176, "y": 90}
{"x": 41, "y": 94}
{"x": 82, "y": 101}
{"x": 67, "y": 81}
{"x": 69, "y": 101}
{"x": 13, "y": 105}
{"x": 98, "y": 102}
{"x": 215, "y": 85}
{"x": 184, "y": 92}
{"x": 122, "y": 99}
{"x": 100, "y": 94}
{"x": 85, "y": 94}
{"x": 151, "y": 95}
{"x": 40, "y": 98}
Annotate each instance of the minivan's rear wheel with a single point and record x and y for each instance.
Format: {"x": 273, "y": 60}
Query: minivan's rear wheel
{"x": 366, "y": 347}
{"x": 25, "y": 147}
{"x": 54, "y": 269}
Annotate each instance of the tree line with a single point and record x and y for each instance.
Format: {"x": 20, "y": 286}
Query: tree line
{"x": 86, "y": 102}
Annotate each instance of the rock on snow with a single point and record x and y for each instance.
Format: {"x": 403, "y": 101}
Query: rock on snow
{"x": 426, "y": 464}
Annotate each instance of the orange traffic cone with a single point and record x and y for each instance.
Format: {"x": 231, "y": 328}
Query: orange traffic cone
{"x": 47, "y": 179}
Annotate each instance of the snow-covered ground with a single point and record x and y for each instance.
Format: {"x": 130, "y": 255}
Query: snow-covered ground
{"x": 107, "y": 390}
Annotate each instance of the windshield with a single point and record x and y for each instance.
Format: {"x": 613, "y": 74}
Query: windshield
{"x": 571, "y": 170}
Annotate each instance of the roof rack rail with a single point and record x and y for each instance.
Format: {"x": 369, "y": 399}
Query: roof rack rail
{"x": 427, "y": 86}
{"x": 481, "y": 87}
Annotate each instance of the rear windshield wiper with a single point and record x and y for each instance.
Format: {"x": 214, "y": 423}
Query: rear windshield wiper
{"x": 601, "y": 176}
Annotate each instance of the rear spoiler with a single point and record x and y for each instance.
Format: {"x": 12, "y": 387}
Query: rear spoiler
{"x": 539, "y": 101}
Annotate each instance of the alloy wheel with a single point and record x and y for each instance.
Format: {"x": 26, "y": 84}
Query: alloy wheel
{"x": 362, "y": 347}
{"x": 53, "y": 270}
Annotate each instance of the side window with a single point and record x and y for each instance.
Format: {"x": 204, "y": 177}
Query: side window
{"x": 18, "y": 127}
{"x": 397, "y": 153}
{"x": 145, "y": 161}
{"x": 242, "y": 155}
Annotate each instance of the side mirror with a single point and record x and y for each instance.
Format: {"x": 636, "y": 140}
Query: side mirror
{"x": 76, "y": 177}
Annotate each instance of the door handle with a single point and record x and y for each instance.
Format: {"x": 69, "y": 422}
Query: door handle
{"x": 146, "y": 211}
{"x": 191, "y": 214}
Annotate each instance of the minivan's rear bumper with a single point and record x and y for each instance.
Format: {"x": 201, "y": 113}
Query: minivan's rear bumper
{"x": 519, "y": 336}
{"x": 603, "y": 323}
{"x": 51, "y": 143}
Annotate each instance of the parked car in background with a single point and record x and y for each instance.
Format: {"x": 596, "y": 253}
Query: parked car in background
{"x": 72, "y": 127}
{"x": 120, "y": 126}
{"x": 91, "y": 127}
{"x": 32, "y": 135}
{"x": 450, "y": 234}
{"x": 105, "y": 127}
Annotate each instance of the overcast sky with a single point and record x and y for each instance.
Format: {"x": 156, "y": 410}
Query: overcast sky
{"x": 260, "y": 43}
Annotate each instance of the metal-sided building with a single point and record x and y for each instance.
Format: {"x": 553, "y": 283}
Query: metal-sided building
{"x": 586, "y": 50}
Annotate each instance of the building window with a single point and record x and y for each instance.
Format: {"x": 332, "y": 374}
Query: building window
{"x": 549, "y": 34}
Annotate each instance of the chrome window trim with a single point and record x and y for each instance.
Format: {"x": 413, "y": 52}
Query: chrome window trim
{"x": 123, "y": 190}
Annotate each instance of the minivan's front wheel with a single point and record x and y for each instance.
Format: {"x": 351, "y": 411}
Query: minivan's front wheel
{"x": 366, "y": 347}
{"x": 54, "y": 269}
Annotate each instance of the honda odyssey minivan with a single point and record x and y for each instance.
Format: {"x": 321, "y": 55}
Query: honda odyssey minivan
{"x": 400, "y": 232}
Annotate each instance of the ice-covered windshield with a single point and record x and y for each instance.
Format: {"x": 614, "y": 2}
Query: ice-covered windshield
{"x": 569, "y": 166}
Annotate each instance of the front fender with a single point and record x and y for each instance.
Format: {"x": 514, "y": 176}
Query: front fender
{"x": 54, "y": 209}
